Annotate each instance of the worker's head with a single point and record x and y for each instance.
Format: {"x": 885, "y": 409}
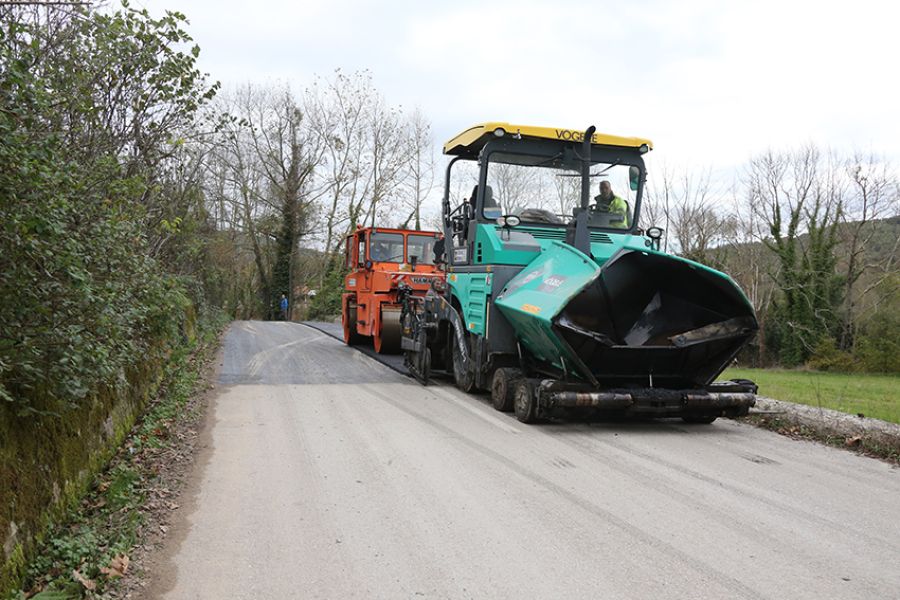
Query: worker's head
{"x": 606, "y": 190}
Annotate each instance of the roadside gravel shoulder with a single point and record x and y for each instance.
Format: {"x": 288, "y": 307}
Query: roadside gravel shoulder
{"x": 872, "y": 437}
{"x": 188, "y": 447}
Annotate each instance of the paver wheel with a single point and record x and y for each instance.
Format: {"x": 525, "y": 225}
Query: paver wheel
{"x": 503, "y": 387}
{"x": 465, "y": 380}
{"x": 525, "y": 402}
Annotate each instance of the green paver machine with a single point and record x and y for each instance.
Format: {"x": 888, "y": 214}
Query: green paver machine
{"x": 557, "y": 301}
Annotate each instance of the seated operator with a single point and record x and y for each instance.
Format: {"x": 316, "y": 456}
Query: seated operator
{"x": 439, "y": 250}
{"x": 379, "y": 251}
{"x": 608, "y": 202}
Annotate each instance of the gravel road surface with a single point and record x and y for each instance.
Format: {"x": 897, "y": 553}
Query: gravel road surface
{"x": 329, "y": 475}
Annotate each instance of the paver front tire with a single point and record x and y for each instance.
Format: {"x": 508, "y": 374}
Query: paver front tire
{"x": 525, "y": 403}
{"x": 503, "y": 387}
{"x": 465, "y": 380}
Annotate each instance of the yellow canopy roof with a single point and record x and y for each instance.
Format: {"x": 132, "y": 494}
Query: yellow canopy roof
{"x": 470, "y": 141}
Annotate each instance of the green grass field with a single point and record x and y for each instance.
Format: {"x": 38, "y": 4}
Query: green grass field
{"x": 876, "y": 396}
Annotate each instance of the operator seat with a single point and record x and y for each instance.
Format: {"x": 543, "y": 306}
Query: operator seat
{"x": 491, "y": 209}
{"x": 471, "y": 203}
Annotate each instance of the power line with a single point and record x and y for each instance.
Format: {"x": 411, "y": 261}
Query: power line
{"x": 43, "y": 3}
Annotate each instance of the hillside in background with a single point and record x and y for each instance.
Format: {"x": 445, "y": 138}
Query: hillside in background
{"x": 875, "y": 295}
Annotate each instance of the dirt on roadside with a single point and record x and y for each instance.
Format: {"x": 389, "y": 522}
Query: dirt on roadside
{"x": 872, "y": 437}
{"x": 169, "y": 500}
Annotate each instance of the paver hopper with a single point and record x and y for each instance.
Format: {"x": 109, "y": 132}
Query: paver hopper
{"x": 641, "y": 318}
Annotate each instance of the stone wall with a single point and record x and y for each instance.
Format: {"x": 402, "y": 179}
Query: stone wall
{"x": 48, "y": 461}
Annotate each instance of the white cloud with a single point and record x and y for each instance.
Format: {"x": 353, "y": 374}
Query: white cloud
{"x": 711, "y": 83}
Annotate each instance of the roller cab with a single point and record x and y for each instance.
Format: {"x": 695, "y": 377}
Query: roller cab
{"x": 381, "y": 262}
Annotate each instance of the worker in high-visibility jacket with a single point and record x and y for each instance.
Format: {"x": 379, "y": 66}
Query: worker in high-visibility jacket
{"x": 607, "y": 201}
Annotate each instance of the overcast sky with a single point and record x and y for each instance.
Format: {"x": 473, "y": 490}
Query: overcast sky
{"x": 710, "y": 82}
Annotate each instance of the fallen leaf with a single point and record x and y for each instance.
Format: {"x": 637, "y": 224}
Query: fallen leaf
{"x": 118, "y": 566}
{"x": 853, "y": 441}
{"x": 163, "y": 528}
{"x": 88, "y": 584}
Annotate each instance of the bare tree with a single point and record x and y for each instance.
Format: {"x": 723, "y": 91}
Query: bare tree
{"x": 419, "y": 180}
{"x": 260, "y": 171}
{"x": 567, "y": 191}
{"x": 289, "y": 155}
{"x": 386, "y": 156}
{"x": 337, "y": 109}
{"x": 693, "y": 212}
{"x": 799, "y": 200}
{"x": 366, "y": 159}
{"x": 655, "y": 206}
{"x": 515, "y": 187}
{"x": 872, "y": 196}
{"x": 750, "y": 262}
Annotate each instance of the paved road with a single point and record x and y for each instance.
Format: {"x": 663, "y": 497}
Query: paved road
{"x": 394, "y": 361}
{"x": 332, "y": 476}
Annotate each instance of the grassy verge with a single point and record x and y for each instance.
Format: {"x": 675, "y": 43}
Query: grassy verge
{"x": 875, "y": 396}
{"x": 90, "y": 548}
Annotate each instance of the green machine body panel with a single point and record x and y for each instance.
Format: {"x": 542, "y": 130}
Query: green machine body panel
{"x": 492, "y": 249}
{"x": 536, "y": 296}
{"x": 526, "y": 244}
{"x": 472, "y": 290}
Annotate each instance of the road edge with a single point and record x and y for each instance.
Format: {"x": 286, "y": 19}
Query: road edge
{"x": 863, "y": 435}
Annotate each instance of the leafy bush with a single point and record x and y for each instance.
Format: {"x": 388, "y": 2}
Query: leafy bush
{"x": 827, "y": 357}
{"x": 327, "y": 302}
{"x": 80, "y": 292}
{"x": 878, "y": 348}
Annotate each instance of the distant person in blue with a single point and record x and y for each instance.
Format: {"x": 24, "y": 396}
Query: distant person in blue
{"x": 284, "y": 308}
